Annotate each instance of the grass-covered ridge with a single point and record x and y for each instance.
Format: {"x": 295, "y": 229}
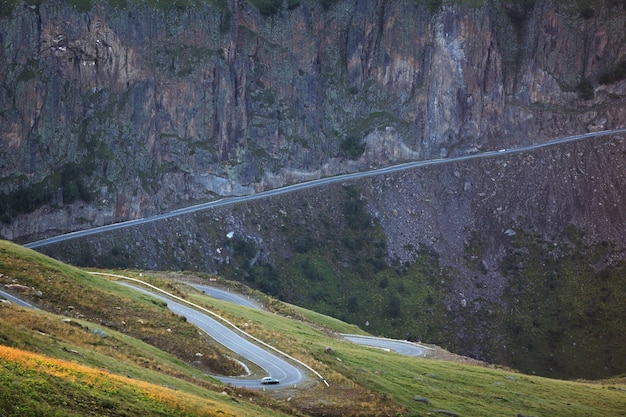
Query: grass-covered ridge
{"x": 38, "y": 385}
{"x": 53, "y": 366}
{"x": 65, "y": 290}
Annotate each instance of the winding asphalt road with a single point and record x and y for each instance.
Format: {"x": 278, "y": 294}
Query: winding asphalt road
{"x": 287, "y": 373}
{"x": 275, "y": 366}
{"x": 402, "y": 347}
{"x": 316, "y": 183}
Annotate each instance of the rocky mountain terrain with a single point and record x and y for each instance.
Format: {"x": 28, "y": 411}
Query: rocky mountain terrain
{"x": 118, "y": 110}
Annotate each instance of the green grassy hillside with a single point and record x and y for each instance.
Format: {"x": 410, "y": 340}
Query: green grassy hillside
{"x": 76, "y": 357}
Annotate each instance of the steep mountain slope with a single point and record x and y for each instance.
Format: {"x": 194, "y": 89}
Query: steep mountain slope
{"x": 55, "y": 364}
{"x": 135, "y": 109}
{"x": 458, "y": 254}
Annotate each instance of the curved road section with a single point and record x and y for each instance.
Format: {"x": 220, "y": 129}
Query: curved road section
{"x": 275, "y": 366}
{"x": 402, "y": 347}
{"x": 226, "y": 296}
{"x": 316, "y": 183}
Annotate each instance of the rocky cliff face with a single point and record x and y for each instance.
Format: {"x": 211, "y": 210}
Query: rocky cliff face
{"x": 156, "y": 108}
{"x": 111, "y": 113}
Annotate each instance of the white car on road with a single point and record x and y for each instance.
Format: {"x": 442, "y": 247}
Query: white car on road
{"x": 268, "y": 380}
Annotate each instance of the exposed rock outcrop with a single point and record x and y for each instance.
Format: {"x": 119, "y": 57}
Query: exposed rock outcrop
{"x": 150, "y": 103}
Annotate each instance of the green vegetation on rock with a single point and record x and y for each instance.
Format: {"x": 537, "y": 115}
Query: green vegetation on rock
{"x": 63, "y": 187}
{"x": 341, "y": 269}
{"x": 616, "y": 73}
{"x": 271, "y": 7}
{"x": 564, "y": 314}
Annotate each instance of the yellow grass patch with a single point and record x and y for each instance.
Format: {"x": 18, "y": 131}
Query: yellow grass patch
{"x": 103, "y": 381}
